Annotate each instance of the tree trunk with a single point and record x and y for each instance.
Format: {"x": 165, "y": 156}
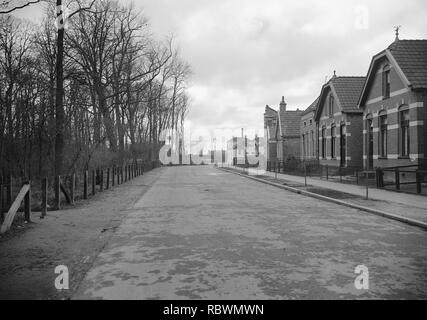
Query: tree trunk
{"x": 59, "y": 103}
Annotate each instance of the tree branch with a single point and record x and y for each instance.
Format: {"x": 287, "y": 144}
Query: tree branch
{"x": 20, "y": 7}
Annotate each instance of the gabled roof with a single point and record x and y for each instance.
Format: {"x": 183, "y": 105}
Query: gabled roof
{"x": 290, "y": 123}
{"x": 346, "y": 90}
{"x": 409, "y": 57}
{"x": 311, "y": 108}
{"x": 270, "y": 111}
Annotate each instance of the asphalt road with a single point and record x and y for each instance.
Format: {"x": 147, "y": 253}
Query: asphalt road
{"x": 201, "y": 233}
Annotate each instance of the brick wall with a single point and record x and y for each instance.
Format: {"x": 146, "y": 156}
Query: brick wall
{"x": 291, "y": 148}
{"x": 375, "y": 105}
{"x": 347, "y": 151}
{"x": 308, "y": 140}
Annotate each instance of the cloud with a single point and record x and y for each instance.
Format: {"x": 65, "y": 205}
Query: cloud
{"x": 248, "y": 53}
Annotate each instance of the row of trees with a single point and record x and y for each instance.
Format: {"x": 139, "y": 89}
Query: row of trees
{"x": 97, "y": 92}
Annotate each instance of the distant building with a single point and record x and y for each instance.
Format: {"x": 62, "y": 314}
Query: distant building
{"x": 339, "y": 122}
{"x": 394, "y": 105}
{"x": 283, "y": 133}
{"x": 242, "y": 151}
{"x": 270, "y": 128}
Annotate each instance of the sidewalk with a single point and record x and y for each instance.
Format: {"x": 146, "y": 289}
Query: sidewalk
{"x": 73, "y": 237}
{"x": 403, "y": 204}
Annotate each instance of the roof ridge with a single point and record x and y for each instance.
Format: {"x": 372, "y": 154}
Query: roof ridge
{"x": 412, "y": 40}
{"x": 337, "y": 77}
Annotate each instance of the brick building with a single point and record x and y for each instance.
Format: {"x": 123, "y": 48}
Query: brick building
{"x": 283, "y": 133}
{"x": 339, "y": 122}
{"x": 308, "y": 130}
{"x": 393, "y": 102}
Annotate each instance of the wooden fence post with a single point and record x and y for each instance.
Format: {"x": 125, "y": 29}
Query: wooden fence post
{"x": 27, "y": 204}
{"x": 72, "y": 188}
{"x": 1, "y": 198}
{"x": 418, "y": 180}
{"x": 85, "y": 185}
{"x": 305, "y": 174}
{"x": 397, "y": 178}
{"x": 108, "y": 179}
{"x": 379, "y": 178}
{"x": 57, "y": 187}
{"x": 44, "y": 197}
{"x": 9, "y": 191}
{"x": 22, "y": 195}
{"x": 93, "y": 182}
{"x": 101, "y": 180}
{"x": 113, "y": 176}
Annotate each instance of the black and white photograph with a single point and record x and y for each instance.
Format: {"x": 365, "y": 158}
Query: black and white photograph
{"x": 215, "y": 156}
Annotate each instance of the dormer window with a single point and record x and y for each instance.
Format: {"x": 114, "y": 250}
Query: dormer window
{"x": 386, "y": 82}
{"x": 331, "y": 105}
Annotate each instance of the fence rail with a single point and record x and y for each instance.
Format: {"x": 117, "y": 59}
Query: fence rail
{"x": 409, "y": 179}
{"x": 403, "y": 178}
{"x": 66, "y": 189}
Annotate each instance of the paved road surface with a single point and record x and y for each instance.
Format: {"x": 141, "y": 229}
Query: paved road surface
{"x": 200, "y": 233}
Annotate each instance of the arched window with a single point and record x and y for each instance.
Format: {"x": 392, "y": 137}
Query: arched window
{"x": 382, "y": 124}
{"x": 404, "y": 136}
{"x": 386, "y": 82}
{"x": 312, "y": 143}
{"x": 369, "y": 141}
{"x": 324, "y": 142}
{"x": 333, "y": 138}
{"x": 303, "y": 146}
{"x": 331, "y": 105}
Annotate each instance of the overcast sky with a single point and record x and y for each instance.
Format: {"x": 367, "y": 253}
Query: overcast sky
{"x": 248, "y": 53}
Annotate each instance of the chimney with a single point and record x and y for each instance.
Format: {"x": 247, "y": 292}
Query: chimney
{"x": 282, "y": 105}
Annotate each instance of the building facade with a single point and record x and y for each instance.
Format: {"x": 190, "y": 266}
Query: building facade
{"x": 308, "y": 129}
{"x": 339, "y": 122}
{"x": 282, "y": 129}
{"x": 394, "y": 105}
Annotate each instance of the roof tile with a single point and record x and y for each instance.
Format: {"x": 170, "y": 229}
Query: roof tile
{"x": 411, "y": 56}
